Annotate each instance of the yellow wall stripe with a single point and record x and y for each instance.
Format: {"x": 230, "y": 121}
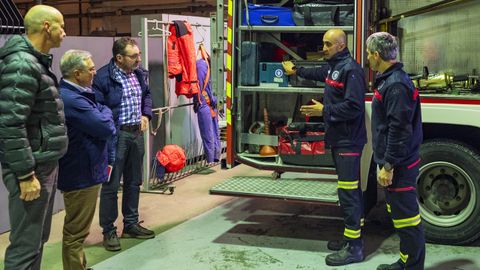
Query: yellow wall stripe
{"x": 230, "y": 8}
{"x": 229, "y": 116}
{"x": 229, "y": 35}
{"x": 229, "y": 62}
{"x": 229, "y": 90}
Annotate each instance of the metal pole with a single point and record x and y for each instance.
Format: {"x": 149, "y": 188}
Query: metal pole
{"x": 146, "y": 156}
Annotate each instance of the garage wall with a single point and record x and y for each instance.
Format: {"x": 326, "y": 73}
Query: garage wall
{"x": 444, "y": 40}
{"x": 183, "y": 129}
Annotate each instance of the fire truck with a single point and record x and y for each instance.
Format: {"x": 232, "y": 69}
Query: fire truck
{"x": 449, "y": 179}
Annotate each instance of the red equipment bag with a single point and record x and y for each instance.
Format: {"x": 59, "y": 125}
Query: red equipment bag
{"x": 172, "y": 157}
{"x": 303, "y": 144}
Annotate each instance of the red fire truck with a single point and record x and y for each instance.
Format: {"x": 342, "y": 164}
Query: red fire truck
{"x": 449, "y": 180}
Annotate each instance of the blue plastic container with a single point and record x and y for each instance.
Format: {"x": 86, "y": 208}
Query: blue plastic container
{"x": 268, "y": 16}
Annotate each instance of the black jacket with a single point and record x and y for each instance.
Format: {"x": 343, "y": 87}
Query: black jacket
{"x": 396, "y": 118}
{"x": 32, "y": 122}
{"x": 344, "y": 99}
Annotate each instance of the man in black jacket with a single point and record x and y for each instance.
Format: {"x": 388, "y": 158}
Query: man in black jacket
{"x": 32, "y": 134}
{"x": 343, "y": 112}
{"x": 397, "y": 135}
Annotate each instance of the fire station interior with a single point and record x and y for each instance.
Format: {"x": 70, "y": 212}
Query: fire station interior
{"x": 258, "y": 206}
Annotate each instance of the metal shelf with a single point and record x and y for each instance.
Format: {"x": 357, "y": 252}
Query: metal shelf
{"x": 276, "y": 89}
{"x": 294, "y": 29}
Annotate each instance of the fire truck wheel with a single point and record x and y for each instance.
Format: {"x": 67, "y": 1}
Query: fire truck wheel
{"x": 449, "y": 192}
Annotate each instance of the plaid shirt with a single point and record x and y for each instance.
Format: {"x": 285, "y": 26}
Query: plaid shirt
{"x": 131, "y": 106}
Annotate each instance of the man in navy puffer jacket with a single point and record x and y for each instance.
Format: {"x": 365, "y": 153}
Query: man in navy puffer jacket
{"x": 343, "y": 112}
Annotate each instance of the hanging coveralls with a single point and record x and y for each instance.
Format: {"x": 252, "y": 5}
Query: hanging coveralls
{"x": 181, "y": 59}
{"x": 397, "y": 135}
{"x": 205, "y": 107}
{"x": 345, "y": 132}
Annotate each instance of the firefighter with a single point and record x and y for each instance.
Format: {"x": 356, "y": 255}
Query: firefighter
{"x": 397, "y": 135}
{"x": 343, "y": 111}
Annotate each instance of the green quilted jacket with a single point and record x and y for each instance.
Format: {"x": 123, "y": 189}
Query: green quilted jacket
{"x": 32, "y": 122}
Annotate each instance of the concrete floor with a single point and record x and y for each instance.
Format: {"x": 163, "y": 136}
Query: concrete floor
{"x": 268, "y": 234}
{"x": 200, "y": 231}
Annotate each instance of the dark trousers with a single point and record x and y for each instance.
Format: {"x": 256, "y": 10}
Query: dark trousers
{"x": 402, "y": 204}
{"x": 128, "y": 162}
{"x": 347, "y": 163}
{"x": 30, "y": 221}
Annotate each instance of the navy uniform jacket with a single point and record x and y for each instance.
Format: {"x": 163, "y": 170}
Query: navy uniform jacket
{"x": 396, "y": 118}
{"x": 108, "y": 91}
{"x": 344, "y": 99}
{"x": 89, "y": 126}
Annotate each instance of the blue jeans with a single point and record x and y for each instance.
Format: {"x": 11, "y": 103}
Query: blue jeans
{"x": 128, "y": 162}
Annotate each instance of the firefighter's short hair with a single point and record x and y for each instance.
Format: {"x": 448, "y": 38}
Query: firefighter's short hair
{"x": 385, "y": 44}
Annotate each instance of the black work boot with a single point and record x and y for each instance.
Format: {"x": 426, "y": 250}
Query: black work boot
{"x": 350, "y": 253}
{"x": 336, "y": 245}
{"x": 138, "y": 231}
{"x": 398, "y": 265}
{"x": 111, "y": 242}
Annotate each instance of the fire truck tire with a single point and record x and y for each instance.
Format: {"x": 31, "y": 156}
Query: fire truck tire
{"x": 449, "y": 192}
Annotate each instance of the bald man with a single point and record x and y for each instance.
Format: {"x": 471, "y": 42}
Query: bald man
{"x": 32, "y": 134}
{"x": 343, "y": 112}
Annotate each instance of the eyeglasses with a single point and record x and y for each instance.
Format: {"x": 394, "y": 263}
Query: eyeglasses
{"x": 133, "y": 56}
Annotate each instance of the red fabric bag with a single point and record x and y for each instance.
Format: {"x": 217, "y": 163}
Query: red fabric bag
{"x": 172, "y": 157}
{"x": 303, "y": 144}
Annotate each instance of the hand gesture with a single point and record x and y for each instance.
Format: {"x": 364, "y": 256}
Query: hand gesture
{"x": 316, "y": 109}
{"x": 289, "y": 67}
{"x": 30, "y": 189}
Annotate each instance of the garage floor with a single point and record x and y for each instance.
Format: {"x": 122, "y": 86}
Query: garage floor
{"x": 273, "y": 234}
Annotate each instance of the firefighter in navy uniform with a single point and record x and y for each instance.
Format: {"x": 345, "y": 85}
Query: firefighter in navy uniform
{"x": 344, "y": 114}
{"x": 397, "y": 135}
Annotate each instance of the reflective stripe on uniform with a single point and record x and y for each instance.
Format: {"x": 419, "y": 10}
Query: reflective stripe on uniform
{"x": 352, "y": 233}
{"x": 362, "y": 222}
{"x": 403, "y": 257}
{"x": 407, "y": 222}
{"x": 389, "y": 210}
{"x": 348, "y": 184}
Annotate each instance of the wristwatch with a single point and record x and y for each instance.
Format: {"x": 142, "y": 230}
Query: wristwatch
{"x": 388, "y": 167}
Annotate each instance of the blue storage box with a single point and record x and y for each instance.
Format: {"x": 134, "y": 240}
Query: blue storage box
{"x": 272, "y": 72}
{"x": 268, "y": 16}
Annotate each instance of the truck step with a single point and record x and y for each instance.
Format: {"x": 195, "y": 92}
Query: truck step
{"x": 308, "y": 190}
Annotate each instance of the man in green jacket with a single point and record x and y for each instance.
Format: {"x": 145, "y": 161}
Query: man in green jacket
{"x": 32, "y": 134}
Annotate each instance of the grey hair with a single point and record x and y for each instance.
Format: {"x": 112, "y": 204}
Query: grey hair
{"x": 385, "y": 44}
{"x": 73, "y": 60}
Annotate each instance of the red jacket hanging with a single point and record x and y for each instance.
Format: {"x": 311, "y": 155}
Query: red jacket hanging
{"x": 182, "y": 59}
